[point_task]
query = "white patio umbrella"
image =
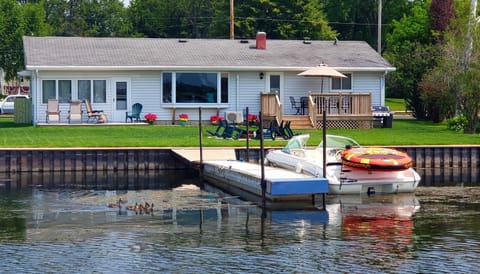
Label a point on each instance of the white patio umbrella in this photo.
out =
(322, 70)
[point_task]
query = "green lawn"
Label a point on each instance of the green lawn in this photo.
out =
(404, 132)
(395, 104)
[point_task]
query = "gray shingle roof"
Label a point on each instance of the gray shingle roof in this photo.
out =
(151, 53)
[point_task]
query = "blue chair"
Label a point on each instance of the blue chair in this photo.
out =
(135, 114)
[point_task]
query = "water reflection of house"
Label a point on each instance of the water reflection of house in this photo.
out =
(169, 76)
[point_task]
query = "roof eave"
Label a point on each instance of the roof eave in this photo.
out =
(198, 68)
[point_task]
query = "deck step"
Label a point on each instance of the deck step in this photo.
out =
(298, 121)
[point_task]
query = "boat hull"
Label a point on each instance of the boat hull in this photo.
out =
(347, 180)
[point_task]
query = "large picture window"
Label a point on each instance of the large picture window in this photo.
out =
(342, 83)
(194, 87)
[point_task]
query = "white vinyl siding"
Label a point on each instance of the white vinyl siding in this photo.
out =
(146, 89)
(364, 82)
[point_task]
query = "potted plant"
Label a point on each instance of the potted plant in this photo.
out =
(150, 117)
(252, 119)
(183, 119)
(215, 119)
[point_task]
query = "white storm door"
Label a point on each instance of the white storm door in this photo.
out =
(121, 99)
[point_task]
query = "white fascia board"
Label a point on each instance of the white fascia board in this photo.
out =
(376, 69)
(173, 68)
(194, 68)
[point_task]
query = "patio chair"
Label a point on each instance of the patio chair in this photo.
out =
(75, 112)
(295, 105)
(288, 130)
(53, 111)
(280, 130)
(95, 116)
(269, 132)
(222, 125)
(135, 114)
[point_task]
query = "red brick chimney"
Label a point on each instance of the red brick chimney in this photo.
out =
(261, 40)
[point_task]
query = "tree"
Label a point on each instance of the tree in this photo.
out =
(453, 74)
(67, 16)
(107, 18)
(411, 51)
(11, 31)
(441, 11)
(358, 19)
(301, 19)
(35, 19)
(172, 18)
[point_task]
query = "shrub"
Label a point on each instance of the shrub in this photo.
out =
(457, 123)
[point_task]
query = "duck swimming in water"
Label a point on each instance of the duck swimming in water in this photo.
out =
(133, 207)
(117, 204)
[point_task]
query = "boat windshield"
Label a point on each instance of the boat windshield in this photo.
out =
(297, 142)
(334, 141)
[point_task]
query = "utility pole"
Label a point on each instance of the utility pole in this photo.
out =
(232, 21)
(379, 42)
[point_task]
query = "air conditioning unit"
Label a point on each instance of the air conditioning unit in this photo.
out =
(234, 117)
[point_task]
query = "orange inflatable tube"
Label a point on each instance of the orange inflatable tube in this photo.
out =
(376, 158)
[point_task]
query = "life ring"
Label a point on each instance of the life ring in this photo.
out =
(376, 158)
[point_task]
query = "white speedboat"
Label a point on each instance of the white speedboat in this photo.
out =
(350, 168)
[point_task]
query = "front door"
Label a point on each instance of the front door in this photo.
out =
(121, 100)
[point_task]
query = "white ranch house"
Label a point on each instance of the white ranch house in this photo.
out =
(173, 76)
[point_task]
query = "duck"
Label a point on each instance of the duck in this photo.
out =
(133, 207)
(116, 205)
(149, 209)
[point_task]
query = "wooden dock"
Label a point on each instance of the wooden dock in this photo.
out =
(220, 168)
(281, 185)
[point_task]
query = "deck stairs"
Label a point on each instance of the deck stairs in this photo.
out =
(298, 121)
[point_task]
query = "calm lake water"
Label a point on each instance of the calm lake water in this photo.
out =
(52, 227)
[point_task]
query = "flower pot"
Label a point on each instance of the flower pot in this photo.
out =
(183, 123)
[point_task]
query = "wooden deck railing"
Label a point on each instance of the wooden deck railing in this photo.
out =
(341, 104)
(343, 110)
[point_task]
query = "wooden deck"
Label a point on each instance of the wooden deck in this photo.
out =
(343, 110)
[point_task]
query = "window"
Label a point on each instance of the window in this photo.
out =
(64, 91)
(224, 87)
(48, 90)
(99, 90)
(57, 89)
(194, 87)
(275, 83)
(84, 90)
(167, 87)
(342, 83)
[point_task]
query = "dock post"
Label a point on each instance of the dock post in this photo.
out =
(262, 162)
(247, 157)
(324, 121)
(200, 136)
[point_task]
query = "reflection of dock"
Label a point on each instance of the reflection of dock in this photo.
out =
(245, 179)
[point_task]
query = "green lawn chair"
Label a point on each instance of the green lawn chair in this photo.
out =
(135, 114)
